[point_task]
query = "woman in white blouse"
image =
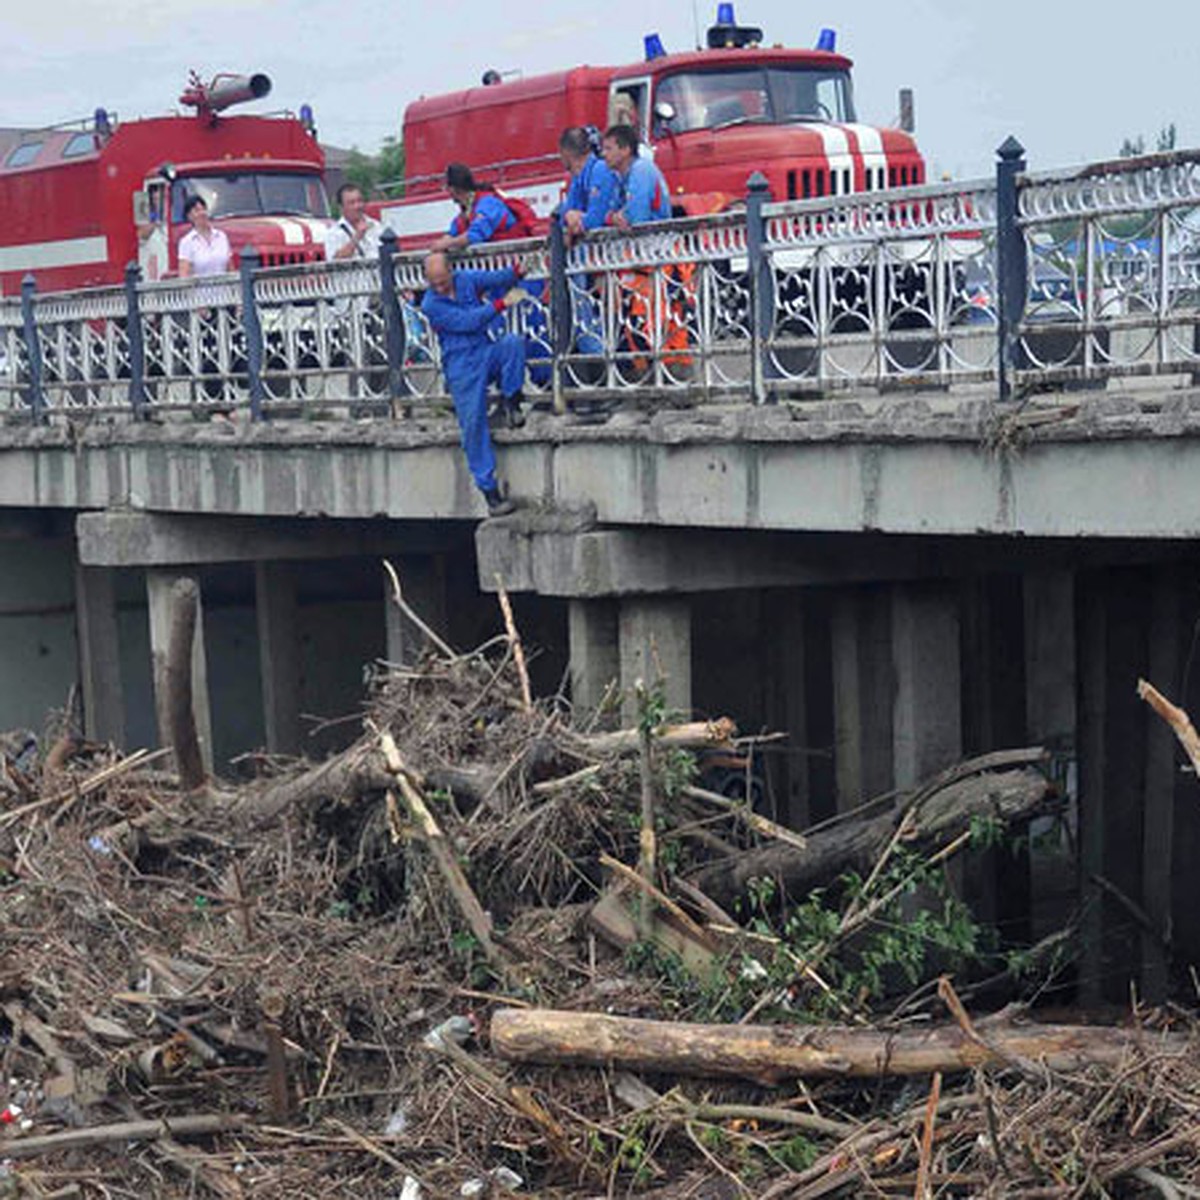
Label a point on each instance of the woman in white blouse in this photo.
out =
(204, 249)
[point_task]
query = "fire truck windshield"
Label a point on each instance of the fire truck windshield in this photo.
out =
(253, 194)
(769, 95)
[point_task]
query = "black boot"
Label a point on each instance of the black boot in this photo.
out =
(512, 410)
(498, 505)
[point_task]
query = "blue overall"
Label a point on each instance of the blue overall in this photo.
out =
(643, 194)
(593, 192)
(471, 360)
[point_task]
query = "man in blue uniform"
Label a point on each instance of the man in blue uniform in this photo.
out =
(483, 216)
(642, 194)
(593, 187)
(461, 306)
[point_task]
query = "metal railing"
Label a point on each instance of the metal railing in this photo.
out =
(1079, 275)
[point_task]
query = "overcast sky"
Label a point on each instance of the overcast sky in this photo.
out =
(1070, 80)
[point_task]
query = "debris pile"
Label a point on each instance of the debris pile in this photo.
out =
(487, 951)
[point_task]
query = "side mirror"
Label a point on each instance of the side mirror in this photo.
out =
(664, 110)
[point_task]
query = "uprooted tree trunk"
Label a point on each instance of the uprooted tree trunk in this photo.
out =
(770, 1053)
(1005, 786)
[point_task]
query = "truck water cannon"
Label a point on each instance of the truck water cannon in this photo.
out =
(727, 34)
(223, 91)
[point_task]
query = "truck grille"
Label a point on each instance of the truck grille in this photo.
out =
(291, 257)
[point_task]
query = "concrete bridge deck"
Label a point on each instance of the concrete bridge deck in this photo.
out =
(1101, 464)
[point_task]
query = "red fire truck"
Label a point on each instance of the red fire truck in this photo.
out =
(80, 201)
(711, 117)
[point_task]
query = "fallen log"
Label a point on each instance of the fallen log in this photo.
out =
(772, 1053)
(942, 810)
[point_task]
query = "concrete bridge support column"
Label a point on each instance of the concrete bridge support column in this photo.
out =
(864, 687)
(99, 654)
(423, 586)
(594, 643)
(997, 879)
(655, 635)
(1111, 607)
(784, 664)
(158, 597)
(278, 654)
(927, 715)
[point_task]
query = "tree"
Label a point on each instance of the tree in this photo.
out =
(378, 175)
(1136, 147)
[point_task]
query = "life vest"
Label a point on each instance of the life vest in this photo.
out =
(522, 225)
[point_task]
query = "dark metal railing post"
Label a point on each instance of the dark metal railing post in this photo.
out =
(560, 310)
(1012, 283)
(136, 341)
(247, 266)
(394, 332)
(762, 291)
(33, 349)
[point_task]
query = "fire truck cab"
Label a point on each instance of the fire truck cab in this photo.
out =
(710, 117)
(80, 201)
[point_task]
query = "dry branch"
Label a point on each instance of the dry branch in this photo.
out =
(443, 854)
(1176, 718)
(199, 1125)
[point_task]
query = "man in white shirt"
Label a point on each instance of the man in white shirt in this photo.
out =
(354, 234)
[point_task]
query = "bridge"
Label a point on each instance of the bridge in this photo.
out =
(907, 475)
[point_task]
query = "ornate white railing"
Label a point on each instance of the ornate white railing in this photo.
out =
(1100, 267)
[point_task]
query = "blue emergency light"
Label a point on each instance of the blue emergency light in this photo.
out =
(827, 41)
(654, 47)
(306, 117)
(725, 15)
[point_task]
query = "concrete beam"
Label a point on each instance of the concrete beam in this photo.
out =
(99, 654)
(592, 634)
(539, 553)
(279, 655)
(140, 539)
(655, 642)
(158, 597)
(864, 692)
(927, 715)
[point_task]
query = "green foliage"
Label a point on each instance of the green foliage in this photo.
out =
(677, 770)
(379, 175)
(915, 930)
(1136, 147)
(652, 707)
(798, 1153)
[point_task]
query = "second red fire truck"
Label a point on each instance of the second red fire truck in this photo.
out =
(711, 117)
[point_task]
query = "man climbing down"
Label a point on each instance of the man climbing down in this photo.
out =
(460, 307)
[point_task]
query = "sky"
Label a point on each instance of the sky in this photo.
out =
(1068, 80)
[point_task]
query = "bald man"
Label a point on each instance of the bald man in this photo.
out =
(461, 306)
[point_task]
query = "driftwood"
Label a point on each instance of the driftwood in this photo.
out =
(771, 1053)
(355, 771)
(123, 1131)
(180, 713)
(1176, 717)
(444, 856)
(943, 809)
